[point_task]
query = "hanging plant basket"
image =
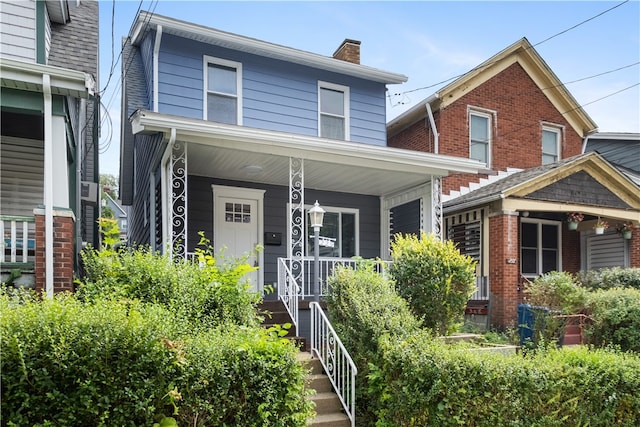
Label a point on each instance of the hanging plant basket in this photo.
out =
(572, 225)
(626, 235)
(599, 230)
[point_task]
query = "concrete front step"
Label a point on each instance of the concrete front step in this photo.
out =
(328, 407)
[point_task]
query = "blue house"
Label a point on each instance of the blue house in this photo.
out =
(238, 137)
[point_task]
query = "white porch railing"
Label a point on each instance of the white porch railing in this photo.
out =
(18, 239)
(482, 288)
(326, 266)
(288, 290)
(337, 364)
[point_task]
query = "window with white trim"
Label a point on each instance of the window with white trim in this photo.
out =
(222, 91)
(339, 235)
(550, 145)
(480, 137)
(539, 247)
(333, 111)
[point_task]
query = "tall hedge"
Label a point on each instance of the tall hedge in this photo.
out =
(607, 278)
(111, 363)
(615, 315)
(434, 277)
(364, 306)
(425, 383)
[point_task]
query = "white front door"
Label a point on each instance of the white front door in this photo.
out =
(237, 226)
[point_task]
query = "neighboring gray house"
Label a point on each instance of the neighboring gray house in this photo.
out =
(238, 137)
(49, 162)
(620, 149)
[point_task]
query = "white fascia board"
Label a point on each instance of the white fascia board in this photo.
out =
(306, 147)
(63, 80)
(259, 47)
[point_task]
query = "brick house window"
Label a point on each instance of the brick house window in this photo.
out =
(480, 137)
(222, 91)
(333, 111)
(550, 145)
(539, 247)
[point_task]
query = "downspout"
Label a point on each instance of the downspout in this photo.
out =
(156, 50)
(48, 184)
(166, 238)
(436, 136)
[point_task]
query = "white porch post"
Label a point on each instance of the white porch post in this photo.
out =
(436, 205)
(48, 184)
(295, 231)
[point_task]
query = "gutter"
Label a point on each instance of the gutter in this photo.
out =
(436, 134)
(156, 52)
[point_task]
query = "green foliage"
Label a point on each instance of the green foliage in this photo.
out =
(556, 291)
(434, 278)
(110, 233)
(426, 383)
(209, 292)
(607, 278)
(615, 315)
(124, 363)
(363, 306)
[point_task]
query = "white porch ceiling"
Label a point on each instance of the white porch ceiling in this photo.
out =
(237, 165)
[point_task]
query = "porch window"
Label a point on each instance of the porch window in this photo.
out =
(338, 235)
(550, 145)
(539, 247)
(333, 111)
(480, 137)
(222, 83)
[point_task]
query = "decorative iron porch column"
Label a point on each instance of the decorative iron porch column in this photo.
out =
(296, 221)
(177, 192)
(436, 205)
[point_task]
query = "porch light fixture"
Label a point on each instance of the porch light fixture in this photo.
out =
(316, 215)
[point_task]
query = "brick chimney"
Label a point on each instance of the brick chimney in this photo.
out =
(348, 51)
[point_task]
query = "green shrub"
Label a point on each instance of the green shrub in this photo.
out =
(363, 306)
(426, 383)
(556, 291)
(113, 363)
(66, 363)
(615, 315)
(209, 292)
(434, 278)
(607, 278)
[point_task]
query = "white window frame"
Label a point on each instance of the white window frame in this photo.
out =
(489, 116)
(558, 132)
(539, 248)
(347, 113)
(210, 60)
(333, 209)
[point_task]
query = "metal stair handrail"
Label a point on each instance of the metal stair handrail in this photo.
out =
(288, 290)
(335, 359)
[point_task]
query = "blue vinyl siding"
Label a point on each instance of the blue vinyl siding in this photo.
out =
(200, 205)
(146, 53)
(276, 95)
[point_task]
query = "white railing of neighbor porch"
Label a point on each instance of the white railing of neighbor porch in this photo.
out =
(18, 239)
(288, 290)
(337, 364)
(482, 288)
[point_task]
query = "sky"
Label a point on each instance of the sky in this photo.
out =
(593, 47)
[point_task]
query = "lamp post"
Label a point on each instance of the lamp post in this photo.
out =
(316, 214)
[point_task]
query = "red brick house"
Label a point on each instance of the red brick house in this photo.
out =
(513, 114)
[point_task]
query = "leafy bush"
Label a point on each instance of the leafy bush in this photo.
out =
(615, 317)
(209, 292)
(111, 363)
(434, 278)
(607, 278)
(363, 306)
(426, 383)
(556, 291)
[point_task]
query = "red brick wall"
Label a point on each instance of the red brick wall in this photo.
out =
(634, 249)
(62, 253)
(519, 107)
(503, 275)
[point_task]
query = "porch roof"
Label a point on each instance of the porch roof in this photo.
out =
(564, 186)
(23, 75)
(255, 155)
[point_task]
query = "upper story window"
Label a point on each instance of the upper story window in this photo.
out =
(480, 137)
(333, 111)
(550, 145)
(223, 91)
